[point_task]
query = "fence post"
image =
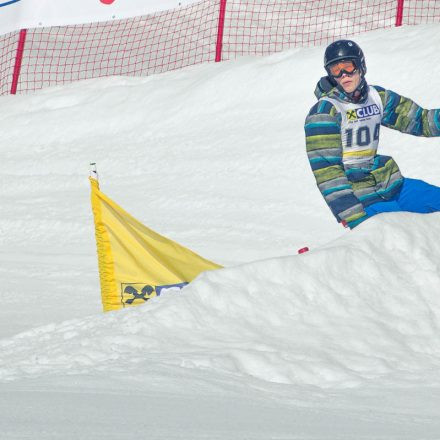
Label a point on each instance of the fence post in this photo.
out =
(221, 25)
(399, 13)
(18, 60)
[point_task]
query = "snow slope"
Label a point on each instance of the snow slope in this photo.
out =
(340, 342)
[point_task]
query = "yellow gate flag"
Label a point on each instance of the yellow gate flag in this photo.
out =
(135, 263)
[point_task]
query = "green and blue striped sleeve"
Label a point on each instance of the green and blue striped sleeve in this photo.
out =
(324, 151)
(405, 115)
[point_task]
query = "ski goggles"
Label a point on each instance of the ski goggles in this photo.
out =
(340, 67)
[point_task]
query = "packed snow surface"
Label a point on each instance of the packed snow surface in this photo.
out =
(341, 342)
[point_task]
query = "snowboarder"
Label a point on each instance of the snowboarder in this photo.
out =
(342, 137)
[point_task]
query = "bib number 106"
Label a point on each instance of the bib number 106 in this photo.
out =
(363, 135)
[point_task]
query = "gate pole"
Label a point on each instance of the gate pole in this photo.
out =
(18, 60)
(399, 13)
(221, 25)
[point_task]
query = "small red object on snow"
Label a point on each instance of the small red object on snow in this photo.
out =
(107, 2)
(344, 223)
(303, 250)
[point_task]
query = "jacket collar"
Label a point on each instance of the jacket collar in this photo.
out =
(327, 87)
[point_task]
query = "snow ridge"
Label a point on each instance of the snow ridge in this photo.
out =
(363, 308)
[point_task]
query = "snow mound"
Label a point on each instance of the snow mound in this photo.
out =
(364, 307)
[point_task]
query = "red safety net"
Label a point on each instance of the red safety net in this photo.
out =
(136, 46)
(268, 26)
(421, 11)
(181, 37)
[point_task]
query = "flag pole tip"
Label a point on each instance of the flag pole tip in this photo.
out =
(93, 171)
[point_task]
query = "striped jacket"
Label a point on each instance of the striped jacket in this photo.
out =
(348, 172)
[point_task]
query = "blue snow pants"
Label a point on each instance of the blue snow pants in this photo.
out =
(415, 196)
